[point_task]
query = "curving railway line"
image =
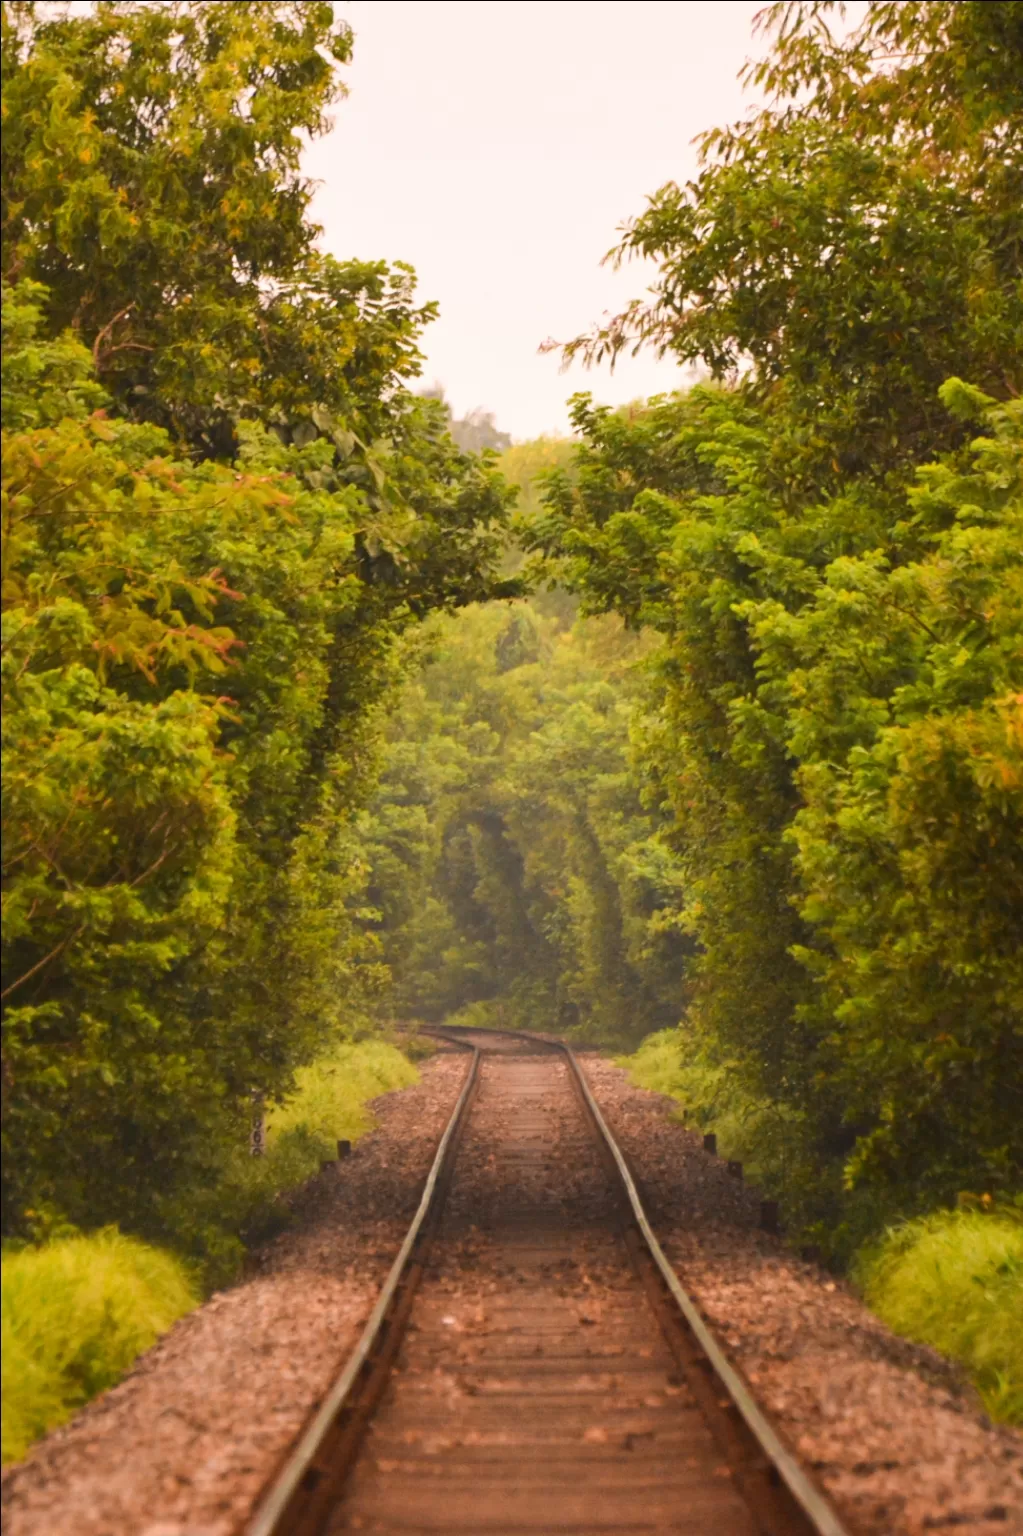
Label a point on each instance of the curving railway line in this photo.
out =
(533, 1364)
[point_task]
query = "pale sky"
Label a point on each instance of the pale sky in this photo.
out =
(496, 145)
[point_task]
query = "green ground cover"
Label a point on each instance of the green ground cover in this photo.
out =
(331, 1095)
(244, 1205)
(77, 1311)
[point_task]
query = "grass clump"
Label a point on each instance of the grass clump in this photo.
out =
(75, 1315)
(950, 1279)
(954, 1280)
(78, 1310)
(330, 1096)
(658, 1064)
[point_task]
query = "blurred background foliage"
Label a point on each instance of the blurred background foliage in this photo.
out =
(517, 874)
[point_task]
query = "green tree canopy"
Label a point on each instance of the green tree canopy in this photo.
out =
(851, 246)
(829, 541)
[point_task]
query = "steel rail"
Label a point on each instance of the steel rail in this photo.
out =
(810, 1501)
(269, 1513)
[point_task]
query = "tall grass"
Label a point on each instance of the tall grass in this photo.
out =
(75, 1314)
(330, 1096)
(954, 1280)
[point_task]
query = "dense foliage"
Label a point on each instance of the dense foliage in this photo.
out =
(223, 507)
(771, 782)
(831, 543)
(516, 874)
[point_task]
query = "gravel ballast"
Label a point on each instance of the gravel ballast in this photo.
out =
(890, 1429)
(185, 1443)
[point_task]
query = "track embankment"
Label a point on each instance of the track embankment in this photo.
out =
(534, 1391)
(538, 1383)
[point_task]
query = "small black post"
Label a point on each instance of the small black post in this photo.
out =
(344, 1148)
(710, 1143)
(769, 1216)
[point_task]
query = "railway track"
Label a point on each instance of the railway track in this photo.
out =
(533, 1364)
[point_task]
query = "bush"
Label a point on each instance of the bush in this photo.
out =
(485, 1013)
(415, 1045)
(954, 1280)
(764, 1136)
(75, 1314)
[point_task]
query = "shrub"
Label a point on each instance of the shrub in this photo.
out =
(485, 1013)
(75, 1314)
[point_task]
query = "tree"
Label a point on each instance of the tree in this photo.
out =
(834, 566)
(850, 247)
(475, 432)
(224, 508)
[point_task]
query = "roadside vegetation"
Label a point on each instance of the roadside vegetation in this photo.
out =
(79, 1308)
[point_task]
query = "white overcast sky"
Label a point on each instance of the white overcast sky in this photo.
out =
(496, 145)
